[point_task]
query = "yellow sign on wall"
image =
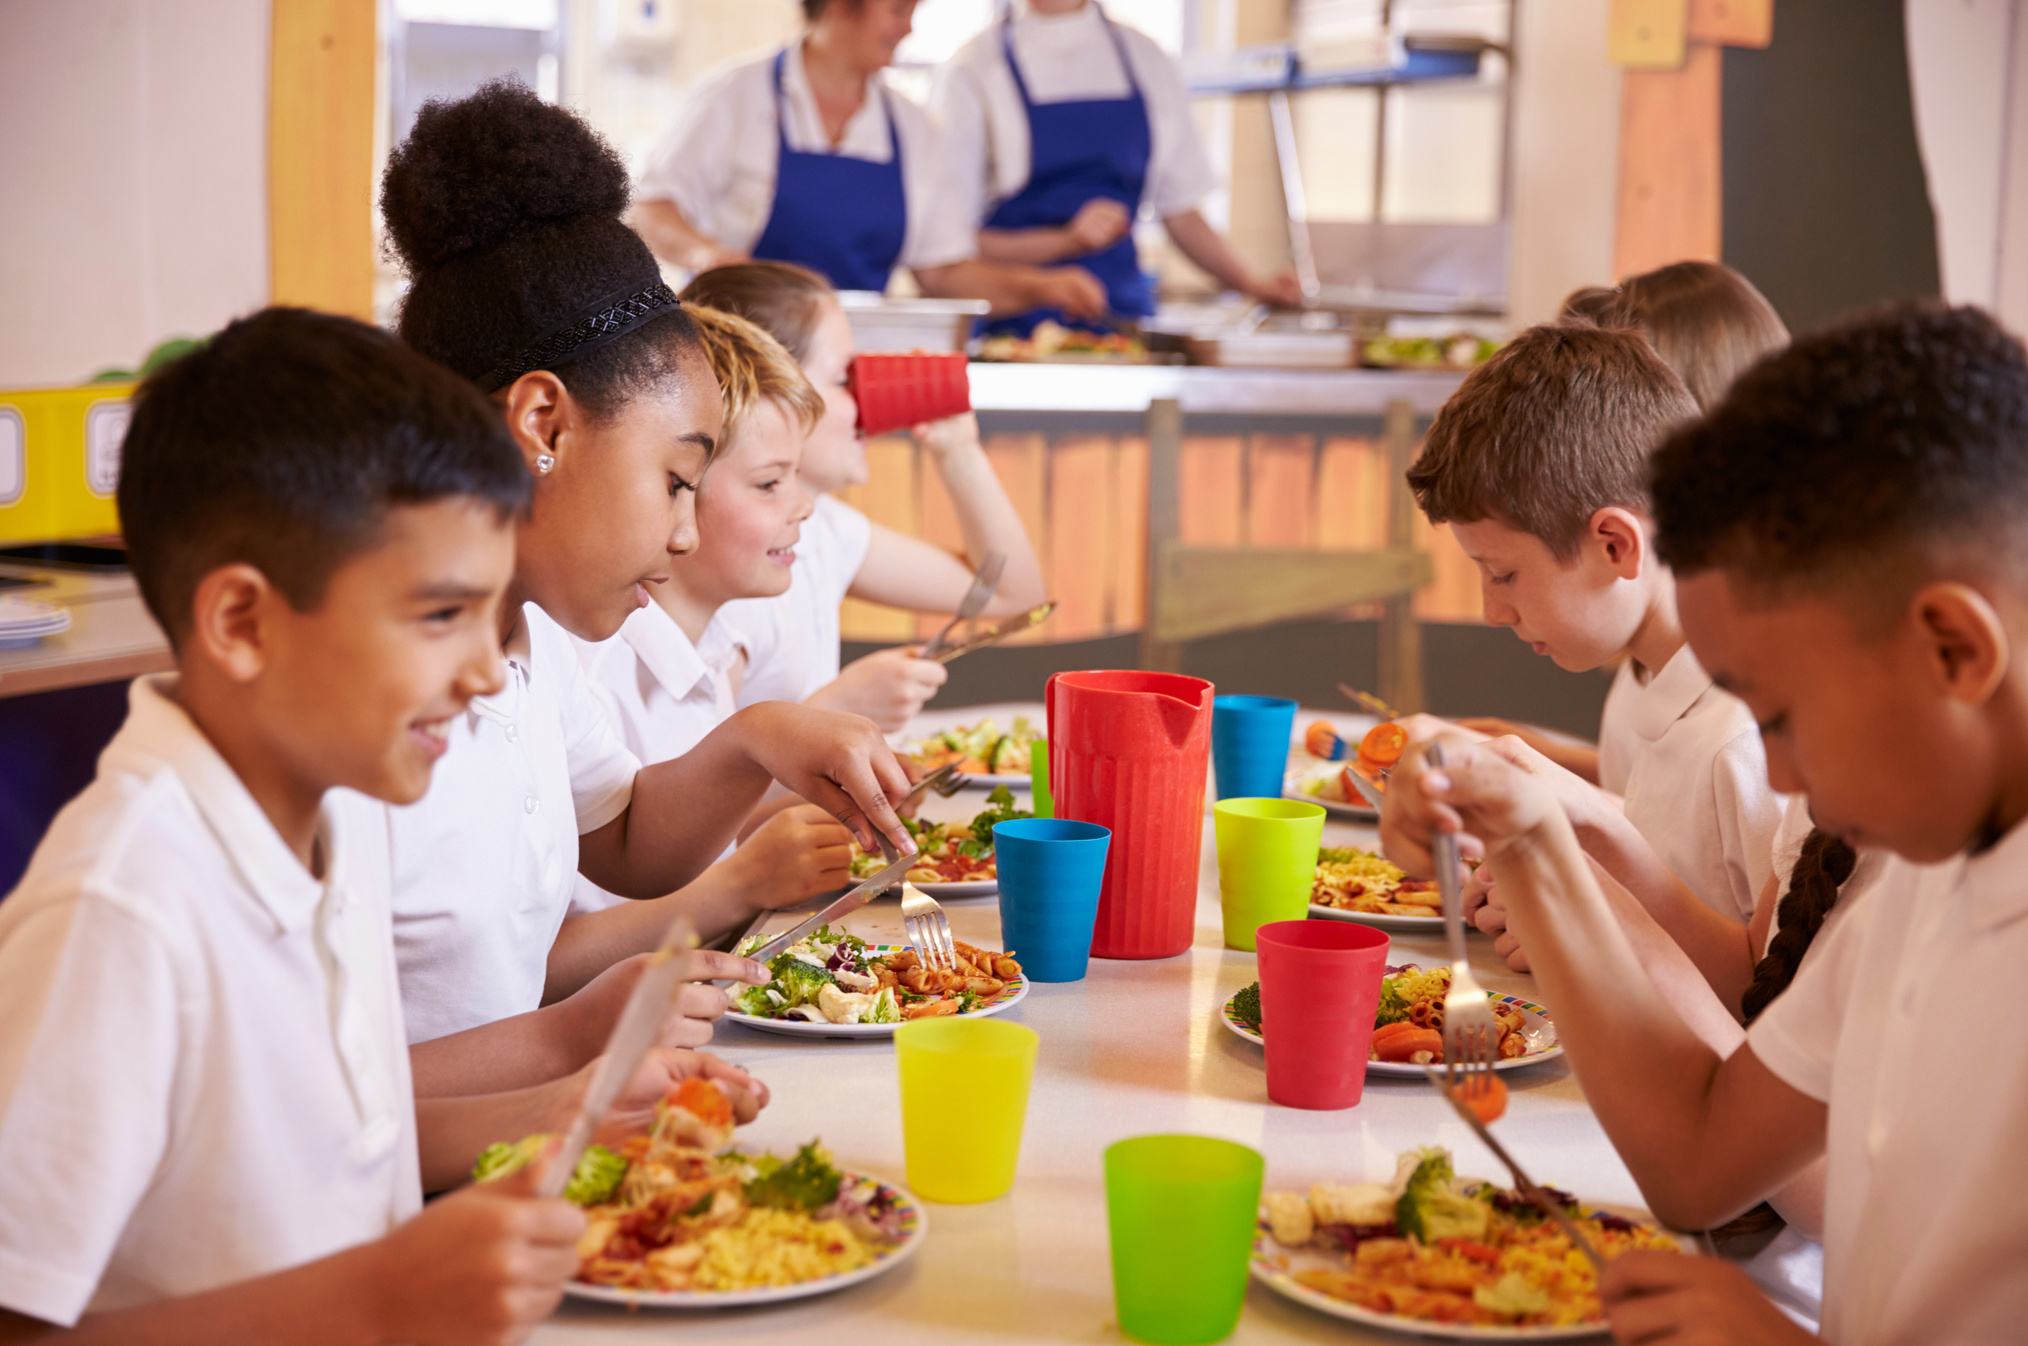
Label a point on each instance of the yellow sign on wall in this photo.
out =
(60, 461)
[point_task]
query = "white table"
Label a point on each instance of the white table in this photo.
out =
(1136, 1048)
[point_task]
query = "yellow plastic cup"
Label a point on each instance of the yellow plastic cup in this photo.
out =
(964, 1097)
(1267, 863)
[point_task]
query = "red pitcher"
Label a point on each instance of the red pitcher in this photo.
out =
(1127, 750)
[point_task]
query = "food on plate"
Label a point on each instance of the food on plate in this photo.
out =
(1350, 879)
(595, 1179)
(980, 749)
(835, 978)
(1408, 1025)
(1321, 741)
(950, 852)
(1453, 352)
(685, 1212)
(1053, 338)
(1434, 1247)
(1382, 747)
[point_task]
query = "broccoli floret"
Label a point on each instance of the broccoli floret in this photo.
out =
(1246, 1005)
(1431, 1209)
(798, 982)
(1393, 1006)
(753, 1000)
(803, 1183)
(883, 1010)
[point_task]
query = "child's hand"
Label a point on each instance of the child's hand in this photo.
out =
(481, 1267)
(887, 686)
(1584, 803)
(1691, 1301)
(838, 762)
(633, 1112)
(692, 1010)
(951, 434)
(1476, 793)
(1491, 919)
(792, 857)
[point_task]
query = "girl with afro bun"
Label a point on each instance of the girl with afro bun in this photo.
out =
(505, 212)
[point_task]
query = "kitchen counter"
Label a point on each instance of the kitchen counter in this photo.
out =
(111, 637)
(1136, 1048)
(1359, 393)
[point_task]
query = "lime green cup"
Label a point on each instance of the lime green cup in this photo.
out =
(1182, 1212)
(1038, 775)
(964, 1096)
(1267, 863)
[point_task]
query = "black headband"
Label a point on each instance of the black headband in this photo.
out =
(609, 319)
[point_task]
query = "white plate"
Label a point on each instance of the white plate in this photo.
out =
(803, 1028)
(1012, 782)
(970, 888)
(1268, 1268)
(915, 1226)
(1380, 920)
(1537, 1030)
(1305, 769)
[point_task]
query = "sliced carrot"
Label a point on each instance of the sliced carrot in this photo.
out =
(1486, 1096)
(1404, 1045)
(1386, 1031)
(1384, 743)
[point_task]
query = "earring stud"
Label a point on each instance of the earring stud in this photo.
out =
(543, 462)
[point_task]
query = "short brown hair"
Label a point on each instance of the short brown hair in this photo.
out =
(1706, 320)
(1556, 426)
(751, 367)
(786, 299)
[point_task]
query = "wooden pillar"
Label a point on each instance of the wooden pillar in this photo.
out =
(320, 155)
(1401, 684)
(1165, 452)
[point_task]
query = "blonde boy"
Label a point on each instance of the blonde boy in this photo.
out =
(1539, 464)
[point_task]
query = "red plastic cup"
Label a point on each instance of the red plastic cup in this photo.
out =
(1319, 989)
(897, 390)
(1128, 750)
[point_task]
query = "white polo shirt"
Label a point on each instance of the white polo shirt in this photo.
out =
(1905, 1023)
(486, 862)
(203, 1075)
(717, 160)
(663, 693)
(1694, 779)
(793, 638)
(1064, 58)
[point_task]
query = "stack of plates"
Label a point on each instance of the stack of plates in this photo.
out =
(24, 619)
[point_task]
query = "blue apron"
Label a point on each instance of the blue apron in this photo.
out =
(842, 217)
(1079, 150)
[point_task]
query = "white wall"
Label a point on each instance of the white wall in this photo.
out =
(133, 178)
(1566, 155)
(1968, 66)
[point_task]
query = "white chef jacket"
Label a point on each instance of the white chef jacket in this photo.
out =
(793, 638)
(717, 160)
(1695, 781)
(486, 862)
(662, 693)
(1064, 58)
(1904, 1022)
(203, 1076)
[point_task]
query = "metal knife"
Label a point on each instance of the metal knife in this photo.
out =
(1014, 625)
(853, 900)
(633, 1034)
(981, 593)
(1368, 791)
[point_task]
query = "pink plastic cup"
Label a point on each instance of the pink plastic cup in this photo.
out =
(897, 390)
(1319, 988)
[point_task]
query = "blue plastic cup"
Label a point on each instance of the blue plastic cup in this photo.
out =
(1051, 870)
(1250, 744)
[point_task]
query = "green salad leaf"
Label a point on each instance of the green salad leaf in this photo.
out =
(806, 1182)
(595, 1179)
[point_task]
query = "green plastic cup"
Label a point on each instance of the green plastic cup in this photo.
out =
(1267, 863)
(1038, 770)
(1182, 1211)
(964, 1097)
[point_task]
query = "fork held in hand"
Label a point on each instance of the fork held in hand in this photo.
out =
(1471, 1034)
(927, 928)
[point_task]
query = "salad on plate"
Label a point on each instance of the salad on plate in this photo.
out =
(831, 977)
(950, 852)
(981, 749)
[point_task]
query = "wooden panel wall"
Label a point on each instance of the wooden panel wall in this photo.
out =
(320, 155)
(1082, 497)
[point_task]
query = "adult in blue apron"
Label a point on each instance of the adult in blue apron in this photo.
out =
(1079, 150)
(843, 217)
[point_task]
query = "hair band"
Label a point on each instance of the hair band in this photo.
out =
(602, 323)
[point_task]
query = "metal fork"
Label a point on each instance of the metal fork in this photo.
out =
(927, 929)
(1471, 1034)
(945, 780)
(975, 600)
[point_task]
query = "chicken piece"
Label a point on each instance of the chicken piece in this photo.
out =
(1289, 1218)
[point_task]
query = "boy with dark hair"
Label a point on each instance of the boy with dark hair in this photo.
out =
(1847, 532)
(1539, 463)
(207, 1129)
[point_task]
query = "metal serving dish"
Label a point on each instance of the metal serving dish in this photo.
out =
(883, 324)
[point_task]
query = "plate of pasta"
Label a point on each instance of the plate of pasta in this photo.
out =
(679, 1219)
(1356, 885)
(1408, 1029)
(832, 984)
(1437, 1255)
